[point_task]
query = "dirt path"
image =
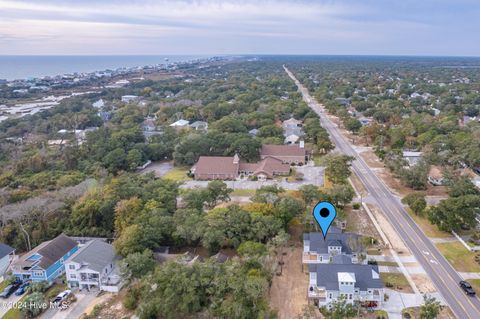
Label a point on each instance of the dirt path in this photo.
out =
(288, 293)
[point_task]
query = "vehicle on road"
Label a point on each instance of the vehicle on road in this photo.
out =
(61, 296)
(467, 288)
(10, 289)
(22, 289)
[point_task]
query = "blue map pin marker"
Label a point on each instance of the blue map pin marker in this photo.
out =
(324, 213)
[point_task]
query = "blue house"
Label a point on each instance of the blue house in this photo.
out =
(46, 261)
(6, 257)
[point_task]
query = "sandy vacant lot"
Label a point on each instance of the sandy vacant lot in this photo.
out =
(288, 293)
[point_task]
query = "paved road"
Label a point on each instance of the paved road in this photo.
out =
(437, 267)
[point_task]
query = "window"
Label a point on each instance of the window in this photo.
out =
(350, 296)
(71, 266)
(38, 273)
(73, 276)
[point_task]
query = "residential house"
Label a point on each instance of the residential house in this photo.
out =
(129, 98)
(289, 154)
(148, 125)
(7, 254)
(180, 124)
(94, 266)
(291, 123)
(199, 126)
(46, 261)
(320, 250)
(342, 101)
(351, 282)
(253, 132)
(412, 158)
(435, 176)
(265, 168)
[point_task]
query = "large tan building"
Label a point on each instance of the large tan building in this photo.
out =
(289, 154)
(229, 168)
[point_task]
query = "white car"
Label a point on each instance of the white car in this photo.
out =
(61, 296)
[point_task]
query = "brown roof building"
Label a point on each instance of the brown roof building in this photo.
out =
(229, 168)
(216, 167)
(290, 154)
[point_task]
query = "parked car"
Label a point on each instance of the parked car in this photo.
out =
(467, 288)
(61, 296)
(22, 289)
(10, 289)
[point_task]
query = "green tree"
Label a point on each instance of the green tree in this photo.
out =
(341, 195)
(131, 240)
(115, 160)
(338, 167)
(430, 308)
(137, 265)
(34, 305)
(455, 212)
(416, 202)
(217, 192)
(340, 310)
(251, 249)
(462, 186)
(310, 193)
(353, 125)
(134, 159)
(126, 212)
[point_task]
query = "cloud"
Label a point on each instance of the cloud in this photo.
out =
(214, 26)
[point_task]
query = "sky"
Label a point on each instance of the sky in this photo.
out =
(214, 27)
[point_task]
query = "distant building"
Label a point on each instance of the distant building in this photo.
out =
(94, 266)
(253, 132)
(46, 261)
(199, 126)
(148, 125)
(180, 124)
(98, 104)
(412, 158)
(129, 98)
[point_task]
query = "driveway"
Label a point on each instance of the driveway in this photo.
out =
(311, 175)
(74, 311)
(6, 304)
(158, 168)
(397, 301)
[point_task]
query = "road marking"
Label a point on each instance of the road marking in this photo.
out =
(392, 217)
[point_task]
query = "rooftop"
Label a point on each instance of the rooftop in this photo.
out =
(96, 255)
(328, 275)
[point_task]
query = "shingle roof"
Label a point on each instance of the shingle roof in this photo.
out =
(5, 250)
(282, 150)
(51, 251)
(334, 238)
(96, 255)
(216, 165)
(327, 275)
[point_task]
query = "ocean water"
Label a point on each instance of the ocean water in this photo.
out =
(30, 66)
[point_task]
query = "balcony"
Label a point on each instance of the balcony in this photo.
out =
(317, 293)
(88, 277)
(309, 258)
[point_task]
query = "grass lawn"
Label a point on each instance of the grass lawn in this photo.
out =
(243, 192)
(397, 281)
(460, 258)
(475, 284)
(3, 284)
(374, 252)
(13, 313)
(428, 228)
(178, 174)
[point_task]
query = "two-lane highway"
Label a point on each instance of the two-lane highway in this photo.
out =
(442, 274)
